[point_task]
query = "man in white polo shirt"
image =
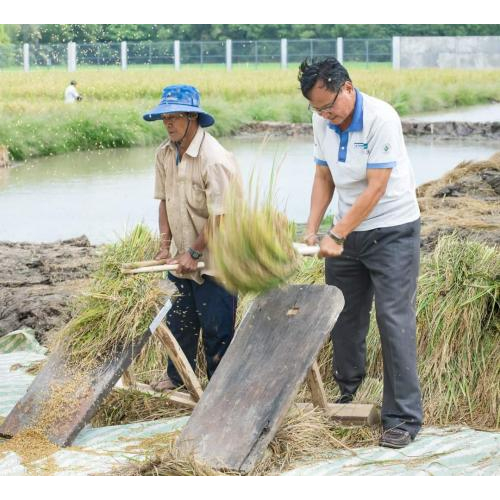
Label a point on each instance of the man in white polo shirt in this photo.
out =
(372, 249)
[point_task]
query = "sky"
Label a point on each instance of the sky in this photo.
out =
(254, 11)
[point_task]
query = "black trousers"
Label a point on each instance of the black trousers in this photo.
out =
(381, 263)
(208, 307)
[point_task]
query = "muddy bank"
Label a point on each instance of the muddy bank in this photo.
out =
(452, 130)
(465, 200)
(442, 130)
(37, 282)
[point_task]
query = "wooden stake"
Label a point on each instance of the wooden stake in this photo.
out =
(180, 361)
(315, 383)
(178, 397)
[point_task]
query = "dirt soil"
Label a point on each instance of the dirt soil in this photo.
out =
(411, 128)
(37, 282)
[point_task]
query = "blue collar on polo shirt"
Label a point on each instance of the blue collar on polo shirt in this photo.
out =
(355, 126)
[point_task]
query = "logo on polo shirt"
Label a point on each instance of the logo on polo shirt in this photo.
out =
(387, 147)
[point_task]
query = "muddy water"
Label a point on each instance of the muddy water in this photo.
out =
(482, 113)
(100, 194)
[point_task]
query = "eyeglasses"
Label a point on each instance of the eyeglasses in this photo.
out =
(328, 107)
(172, 117)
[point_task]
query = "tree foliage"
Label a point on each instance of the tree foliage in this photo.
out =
(85, 33)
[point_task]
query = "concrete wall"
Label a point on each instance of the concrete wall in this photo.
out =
(478, 52)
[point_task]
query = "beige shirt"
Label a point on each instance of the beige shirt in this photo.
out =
(193, 190)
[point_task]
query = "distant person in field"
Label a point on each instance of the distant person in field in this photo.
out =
(372, 248)
(71, 95)
(193, 174)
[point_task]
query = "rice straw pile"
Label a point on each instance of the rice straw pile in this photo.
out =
(458, 315)
(252, 248)
(115, 312)
(118, 308)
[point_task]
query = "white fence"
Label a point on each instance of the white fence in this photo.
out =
(400, 52)
(176, 53)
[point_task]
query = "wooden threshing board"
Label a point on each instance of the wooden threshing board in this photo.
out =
(258, 378)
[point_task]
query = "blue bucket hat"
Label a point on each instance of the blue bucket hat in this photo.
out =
(180, 99)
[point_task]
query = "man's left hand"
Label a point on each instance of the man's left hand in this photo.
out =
(186, 263)
(328, 248)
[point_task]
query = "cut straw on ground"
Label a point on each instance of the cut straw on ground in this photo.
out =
(305, 436)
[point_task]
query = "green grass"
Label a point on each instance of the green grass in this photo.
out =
(35, 121)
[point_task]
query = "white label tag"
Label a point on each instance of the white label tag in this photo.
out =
(159, 317)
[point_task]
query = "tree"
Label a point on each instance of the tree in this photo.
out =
(4, 36)
(88, 33)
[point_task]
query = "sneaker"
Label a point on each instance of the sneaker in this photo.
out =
(395, 438)
(164, 385)
(344, 399)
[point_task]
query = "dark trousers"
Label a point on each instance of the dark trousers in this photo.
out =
(383, 263)
(208, 307)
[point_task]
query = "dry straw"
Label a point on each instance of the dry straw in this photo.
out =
(306, 435)
(117, 308)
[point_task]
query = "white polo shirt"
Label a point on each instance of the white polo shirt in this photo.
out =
(374, 139)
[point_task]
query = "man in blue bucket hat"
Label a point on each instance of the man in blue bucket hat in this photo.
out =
(193, 173)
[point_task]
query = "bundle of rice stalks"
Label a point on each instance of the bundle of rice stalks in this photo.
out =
(458, 316)
(458, 327)
(252, 247)
(117, 308)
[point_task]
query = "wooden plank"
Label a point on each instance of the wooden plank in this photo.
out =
(260, 375)
(351, 413)
(76, 399)
(180, 361)
(181, 398)
(79, 401)
(315, 383)
(178, 397)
